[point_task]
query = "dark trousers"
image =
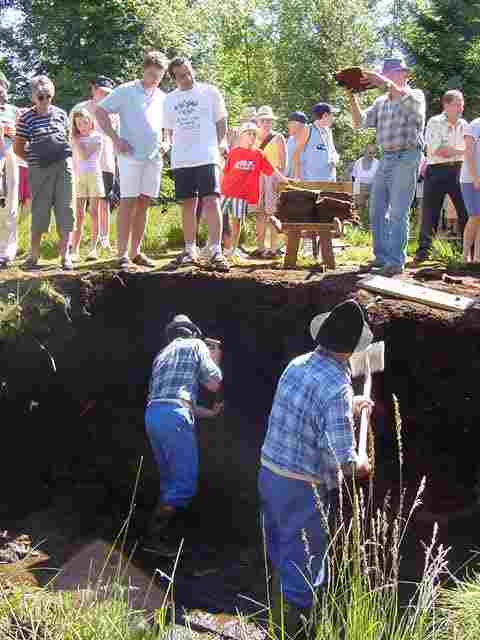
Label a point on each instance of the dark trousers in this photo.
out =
(440, 180)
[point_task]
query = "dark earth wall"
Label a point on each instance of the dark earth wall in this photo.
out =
(88, 425)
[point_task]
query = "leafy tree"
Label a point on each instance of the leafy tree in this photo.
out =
(443, 39)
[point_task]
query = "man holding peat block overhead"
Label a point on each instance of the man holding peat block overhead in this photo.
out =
(399, 119)
(310, 441)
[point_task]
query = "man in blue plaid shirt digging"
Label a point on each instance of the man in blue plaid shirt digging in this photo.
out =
(309, 442)
(179, 369)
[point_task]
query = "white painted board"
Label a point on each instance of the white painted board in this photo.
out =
(416, 293)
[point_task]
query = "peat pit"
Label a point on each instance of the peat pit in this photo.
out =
(72, 439)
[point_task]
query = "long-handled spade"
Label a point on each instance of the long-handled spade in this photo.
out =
(364, 364)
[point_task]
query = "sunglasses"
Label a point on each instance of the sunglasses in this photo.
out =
(44, 96)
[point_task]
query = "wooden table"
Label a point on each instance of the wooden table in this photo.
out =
(324, 231)
(294, 231)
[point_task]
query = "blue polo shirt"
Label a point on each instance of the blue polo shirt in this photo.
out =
(315, 158)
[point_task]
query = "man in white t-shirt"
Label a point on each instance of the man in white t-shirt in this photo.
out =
(196, 117)
(100, 88)
(363, 173)
(140, 148)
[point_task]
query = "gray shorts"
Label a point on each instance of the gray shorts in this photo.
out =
(52, 188)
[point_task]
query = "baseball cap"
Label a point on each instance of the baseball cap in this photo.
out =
(102, 82)
(297, 116)
(323, 107)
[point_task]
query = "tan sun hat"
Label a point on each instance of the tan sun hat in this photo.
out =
(247, 114)
(266, 112)
(247, 126)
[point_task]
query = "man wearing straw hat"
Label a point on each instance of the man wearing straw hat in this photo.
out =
(399, 119)
(310, 441)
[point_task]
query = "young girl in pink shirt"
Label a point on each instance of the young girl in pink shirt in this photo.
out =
(87, 148)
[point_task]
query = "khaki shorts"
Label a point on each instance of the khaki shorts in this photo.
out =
(89, 185)
(52, 188)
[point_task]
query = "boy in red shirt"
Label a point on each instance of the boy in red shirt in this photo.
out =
(241, 180)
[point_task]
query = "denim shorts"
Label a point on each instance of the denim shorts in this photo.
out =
(471, 198)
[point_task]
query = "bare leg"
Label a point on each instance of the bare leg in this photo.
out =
(236, 231)
(139, 222)
(469, 239)
(260, 229)
(124, 224)
(94, 213)
(476, 253)
(64, 242)
(213, 216)
(35, 249)
(104, 220)
(80, 204)
(189, 220)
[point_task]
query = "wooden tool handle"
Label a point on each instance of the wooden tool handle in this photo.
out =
(365, 419)
(363, 437)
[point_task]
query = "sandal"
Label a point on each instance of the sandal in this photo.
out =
(30, 264)
(142, 261)
(185, 260)
(259, 253)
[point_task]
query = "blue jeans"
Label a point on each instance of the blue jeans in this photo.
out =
(288, 509)
(170, 429)
(391, 197)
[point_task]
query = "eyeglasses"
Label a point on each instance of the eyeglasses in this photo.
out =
(44, 96)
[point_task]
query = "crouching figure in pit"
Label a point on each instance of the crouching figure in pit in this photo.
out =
(179, 369)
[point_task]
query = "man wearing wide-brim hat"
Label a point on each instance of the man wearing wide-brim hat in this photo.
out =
(310, 440)
(399, 119)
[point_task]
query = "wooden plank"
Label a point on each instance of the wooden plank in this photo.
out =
(416, 293)
(293, 242)
(315, 227)
(317, 185)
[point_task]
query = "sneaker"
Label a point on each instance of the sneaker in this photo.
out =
(239, 254)
(391, 270)
(75, 256)
(141, 260)
(205, 252)
(219, 263)
(186, 259)
(92, 255)
(5, 263)
(124, 262)
(67, 264)
(30, 264)
(105, 243)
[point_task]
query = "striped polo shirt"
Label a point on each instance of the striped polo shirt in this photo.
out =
(34, 127)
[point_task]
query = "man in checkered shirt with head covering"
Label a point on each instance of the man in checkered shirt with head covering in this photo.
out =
(309, 442)
(399, 119)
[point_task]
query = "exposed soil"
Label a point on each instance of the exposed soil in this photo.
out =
(75, 450)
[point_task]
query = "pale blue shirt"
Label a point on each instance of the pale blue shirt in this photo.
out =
(318, 159)
(141, 118)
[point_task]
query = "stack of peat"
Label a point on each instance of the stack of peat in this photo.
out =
(307, 206)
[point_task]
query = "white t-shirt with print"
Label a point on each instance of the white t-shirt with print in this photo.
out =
(473, 130)
(192, 116)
